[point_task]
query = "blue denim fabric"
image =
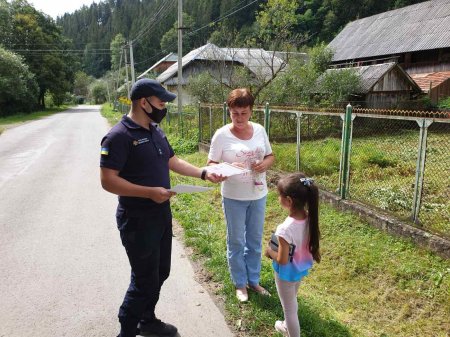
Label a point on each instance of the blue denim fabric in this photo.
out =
(245, 221)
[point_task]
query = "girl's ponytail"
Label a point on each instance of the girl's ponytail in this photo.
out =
(313, 218)
(304, 192)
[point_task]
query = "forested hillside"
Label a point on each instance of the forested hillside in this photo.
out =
(59, 61)
(150, 24)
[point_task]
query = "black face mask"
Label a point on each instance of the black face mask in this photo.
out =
(156, 115)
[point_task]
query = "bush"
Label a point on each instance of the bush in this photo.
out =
(183, 145)
(444, 104)
(18, 87)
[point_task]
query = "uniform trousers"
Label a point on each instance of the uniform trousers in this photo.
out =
(147, 238)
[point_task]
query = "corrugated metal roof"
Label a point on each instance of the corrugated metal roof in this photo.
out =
(172, 57)
(417, 27)
(258, 61)
(207, 52)
(369, 75)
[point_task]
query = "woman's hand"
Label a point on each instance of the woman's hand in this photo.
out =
(260, 166)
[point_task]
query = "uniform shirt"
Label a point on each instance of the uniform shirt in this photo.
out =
(226, 147)
(141, 156)
(294, 232)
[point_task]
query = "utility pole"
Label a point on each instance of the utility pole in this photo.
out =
(126, 72)
(133, 79)
(180, 67)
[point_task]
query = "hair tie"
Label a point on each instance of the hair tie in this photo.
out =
(306, 181)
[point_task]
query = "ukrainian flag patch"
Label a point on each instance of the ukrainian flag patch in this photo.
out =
(104, 151)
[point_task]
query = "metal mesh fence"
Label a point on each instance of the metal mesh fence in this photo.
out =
(435, 205)
(383, 163)
(211, 119)
(399, 160)
(309, 143)
(387, 147)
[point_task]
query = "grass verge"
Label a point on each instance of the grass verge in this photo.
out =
(368, 284)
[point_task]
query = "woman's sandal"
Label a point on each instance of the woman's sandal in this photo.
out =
(260, 290)
(241, 294)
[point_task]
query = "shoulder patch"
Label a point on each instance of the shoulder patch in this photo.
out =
(104, 151)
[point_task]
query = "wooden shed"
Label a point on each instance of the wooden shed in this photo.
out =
(383, 85)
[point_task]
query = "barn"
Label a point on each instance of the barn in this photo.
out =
(416, 37)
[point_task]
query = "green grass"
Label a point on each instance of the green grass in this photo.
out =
(368, 284)
(10, 121)
(111, 116)
(382, 173)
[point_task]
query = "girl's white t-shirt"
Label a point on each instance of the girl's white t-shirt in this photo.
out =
(295, 232)
(226, 147)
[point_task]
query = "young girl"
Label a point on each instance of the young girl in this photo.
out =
(298, 245)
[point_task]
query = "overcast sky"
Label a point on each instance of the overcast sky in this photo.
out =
(59, 7)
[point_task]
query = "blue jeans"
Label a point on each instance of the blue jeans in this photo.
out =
(245, 221)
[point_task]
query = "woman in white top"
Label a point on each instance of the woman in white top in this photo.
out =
(243, 143)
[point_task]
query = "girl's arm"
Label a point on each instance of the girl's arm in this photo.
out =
(282, 256)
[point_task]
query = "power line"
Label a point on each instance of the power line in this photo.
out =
(222, 17)
(201, 28)
(163, 10)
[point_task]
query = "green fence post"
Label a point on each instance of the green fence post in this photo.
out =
(420, 167)
(224, 114)
(267, 119)
(200, 126)
(299, 118)
(168, 115)
(182, 122)
(210, 123)
(344, 166)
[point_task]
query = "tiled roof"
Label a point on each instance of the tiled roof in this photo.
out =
(422, 26)
(434, 79)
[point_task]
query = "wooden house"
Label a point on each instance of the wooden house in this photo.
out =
(417, 37)
(221, 63)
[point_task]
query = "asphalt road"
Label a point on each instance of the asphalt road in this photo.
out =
(63, 270)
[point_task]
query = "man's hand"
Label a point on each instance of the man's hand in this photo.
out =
(160, 194)
(214, 177)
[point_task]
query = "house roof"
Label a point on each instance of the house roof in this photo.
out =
(172, 57)
(422, 26)
(424, 81)
(257, 60)
(371, 74)
(206, 52)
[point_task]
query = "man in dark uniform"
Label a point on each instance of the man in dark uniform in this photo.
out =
(135, 161)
